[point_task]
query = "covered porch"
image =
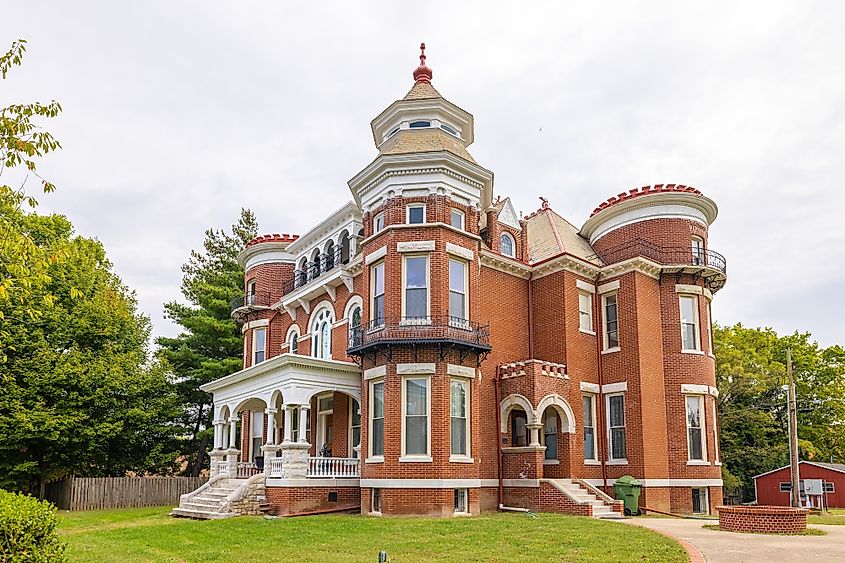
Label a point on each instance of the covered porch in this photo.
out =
(289, 418)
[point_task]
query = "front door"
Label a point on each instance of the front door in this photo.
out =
(326, 436)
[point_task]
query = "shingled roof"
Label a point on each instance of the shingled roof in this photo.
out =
(549, 234)
(422, 91)
(409, 141)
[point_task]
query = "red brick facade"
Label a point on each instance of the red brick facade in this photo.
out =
(521, 338)
(763, 519)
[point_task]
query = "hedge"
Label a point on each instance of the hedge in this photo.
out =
(28, 530)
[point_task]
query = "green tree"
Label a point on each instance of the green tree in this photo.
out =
(23, 263)
(750, 373)
(210, 345)
(78, 394)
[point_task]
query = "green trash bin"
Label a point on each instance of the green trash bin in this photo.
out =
(628, 491)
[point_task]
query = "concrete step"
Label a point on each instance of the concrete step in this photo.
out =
(211, 503)
(199, 514)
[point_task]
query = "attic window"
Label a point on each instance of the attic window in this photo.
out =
(507, 245)
(392, 132)
(449, 130)
(420, 124)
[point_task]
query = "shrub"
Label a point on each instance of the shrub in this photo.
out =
(28, 530)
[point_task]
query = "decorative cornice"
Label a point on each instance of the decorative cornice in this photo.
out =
(507, 265)
(636, 264)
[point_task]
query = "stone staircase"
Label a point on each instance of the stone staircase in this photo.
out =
(581, 495)
(213, 500)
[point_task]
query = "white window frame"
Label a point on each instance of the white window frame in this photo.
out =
(697, 250)
(610, 459)
(318, 340)
(378, 223)
(604, 321)
(427, 317)
(509, 236)
(589, 312)
(785, 487)
(702, 405)
(255, 349)
(696, 322)
(709, 329)
(457, 213)
(468, 443)
(408, 213)
(349, 433)
(253, 451)
(706, 500)
(452, 318)
(251, 286)
(543, 418)
(321, 420)
(374, 295)
(425, 457)
(461, 493)
(592, 398)
(375, 492)
(371, 458)
(293, 339)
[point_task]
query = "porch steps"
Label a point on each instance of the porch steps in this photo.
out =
(209, 503)
(576, 492)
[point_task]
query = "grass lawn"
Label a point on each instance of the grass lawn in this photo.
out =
(149, 534)
(835, 516)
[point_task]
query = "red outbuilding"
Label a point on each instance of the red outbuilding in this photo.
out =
(773, 488)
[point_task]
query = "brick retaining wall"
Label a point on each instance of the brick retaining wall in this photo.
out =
(763, 519)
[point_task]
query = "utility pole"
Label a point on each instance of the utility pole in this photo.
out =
(793, 432)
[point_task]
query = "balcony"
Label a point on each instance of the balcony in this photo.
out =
(250, 302)
(322, 275)
(445, 332)
(320, 265)
(708, 264)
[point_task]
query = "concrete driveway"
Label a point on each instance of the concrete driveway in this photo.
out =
(728, 547)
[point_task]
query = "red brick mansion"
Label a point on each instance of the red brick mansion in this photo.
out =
(425, 350)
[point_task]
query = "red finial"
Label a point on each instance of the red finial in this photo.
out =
(423, 73)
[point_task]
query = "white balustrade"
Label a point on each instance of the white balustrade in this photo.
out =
(222, 467)
(246, 470)
(275, 467)
(332, 467)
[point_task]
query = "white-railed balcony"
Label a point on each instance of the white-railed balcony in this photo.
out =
(321, 468)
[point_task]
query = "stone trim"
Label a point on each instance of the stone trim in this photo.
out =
(460, 371)
(459, 251)
(376, 255)
(615, 387)
(376, 372)
(585, 286)
(415, 246)
(418, 368)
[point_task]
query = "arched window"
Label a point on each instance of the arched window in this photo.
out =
(329, 257)
(507, 246)
(293, 342)
(321, 331)
(314, 266)
(301, 274)
(420, 124)
(355, 317)
(345, 247)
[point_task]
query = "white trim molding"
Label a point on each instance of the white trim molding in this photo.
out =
(374, 373)
(460, 371)
(695, 389)
(609, 286)
(590, 387)
(663, 482)
(585, 286)
(459, 251)
(376, 255)
(255, 324)
(620, 387)
(415, 368)
(694, 290)
(415, 246)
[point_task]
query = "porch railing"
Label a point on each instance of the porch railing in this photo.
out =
(222, 467)
(329, 467)
(246, 470)
(275, 467)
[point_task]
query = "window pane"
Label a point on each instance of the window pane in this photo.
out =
(415, 397)
(378, 309)
(519, 434)
(378, 400)
(457, 307)
(356, 413)
(551, 446)
(617, 410)
(611, 321)
(415, 214)
(416, 302)
(259, 335)
(589, 443)
(457, 404)
(687, 309)
(457, 219)
(688, 336)
(378, 279)
(617, 438)
(506, 245)
(695, 444)
(588, 410)
(457, 275)
(416, 435)
(693, 412)
(415, 271)
(378, 436)
(459, 436)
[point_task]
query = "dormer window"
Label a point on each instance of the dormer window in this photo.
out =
(420, 124)
(449, 130)
(507, 245)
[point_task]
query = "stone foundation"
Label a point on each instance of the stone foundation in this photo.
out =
(763, 519)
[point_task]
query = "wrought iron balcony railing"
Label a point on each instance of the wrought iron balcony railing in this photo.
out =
(323, 264)
(257, 299)
(666, 255)
(419, 330)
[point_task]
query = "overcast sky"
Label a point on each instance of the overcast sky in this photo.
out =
(177, 114)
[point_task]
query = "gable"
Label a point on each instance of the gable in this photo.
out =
(507, 216)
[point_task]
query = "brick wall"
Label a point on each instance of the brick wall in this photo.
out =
(295, 500)
(763, 519)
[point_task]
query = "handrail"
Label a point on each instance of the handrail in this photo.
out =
(314, 269)
(665, 255)
(275, 466)
(332, 467)
(257, 299)
(398, 330)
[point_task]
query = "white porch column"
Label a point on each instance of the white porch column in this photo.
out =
(233, 429)
(288, 424)
(271, 427)
(218, 434)
(304, 413)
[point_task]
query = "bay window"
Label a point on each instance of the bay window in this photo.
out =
(377, 419)
(416, 288)
(690, 337)
(696, 439)
(415, 416)
(457, 291)
(377, 282)
(459, 417)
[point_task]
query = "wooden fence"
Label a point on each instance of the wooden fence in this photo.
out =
(92, 493)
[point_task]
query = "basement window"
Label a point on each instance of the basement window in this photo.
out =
(699, 501)
(461, 503)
